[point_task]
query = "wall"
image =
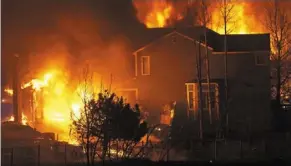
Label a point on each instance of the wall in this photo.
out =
(249, 89)
(172, 65)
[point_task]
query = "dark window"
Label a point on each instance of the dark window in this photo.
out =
(145, 65)
(213, 99)
(261, 59)
(190, 95)
(190, 99)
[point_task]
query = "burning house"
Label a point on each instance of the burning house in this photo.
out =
(165, 70)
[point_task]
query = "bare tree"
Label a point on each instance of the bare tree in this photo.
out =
(278, 25)
(227, 13)
(204, 19)
(84, 121)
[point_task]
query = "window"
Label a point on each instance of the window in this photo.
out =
(213, 97)
(193, 98)
(261, 60)
(145, 65)
(273, 73)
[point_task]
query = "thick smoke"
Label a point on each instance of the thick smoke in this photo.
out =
(68, 34)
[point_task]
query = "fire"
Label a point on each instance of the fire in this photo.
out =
(244, 19)
(159, 15)
(61, 99)
(9, 91)
(57, 96)
(37, 84)
(24, 120)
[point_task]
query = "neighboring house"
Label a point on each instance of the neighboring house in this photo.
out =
(165, 71)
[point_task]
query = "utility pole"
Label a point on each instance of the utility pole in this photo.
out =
(200, 100)
(16, 110)
(225, 119)
(205, 19)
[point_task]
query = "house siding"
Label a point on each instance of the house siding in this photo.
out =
(248, 89)
(171, 68)
(173, 63)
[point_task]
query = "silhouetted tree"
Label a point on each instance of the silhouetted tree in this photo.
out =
(121, 122)
(105, 119)
(227, 13)
(83, 122)
(279, 27)
(204, 19)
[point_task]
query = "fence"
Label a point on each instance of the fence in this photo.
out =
(213, 150)
(40, 155)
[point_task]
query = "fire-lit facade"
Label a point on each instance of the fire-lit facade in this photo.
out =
(165, 72)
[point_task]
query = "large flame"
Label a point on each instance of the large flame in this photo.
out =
(161, 13)
(242, 20)
(158, 13)
(60, 100)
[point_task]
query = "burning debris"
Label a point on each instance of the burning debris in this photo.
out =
(52, 101)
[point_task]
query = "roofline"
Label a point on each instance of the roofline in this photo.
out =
(142, 48)
(239, 52)
(166, 35)
(251, 34)
(187, 37)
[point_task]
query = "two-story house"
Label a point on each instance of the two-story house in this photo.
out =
(165, 71)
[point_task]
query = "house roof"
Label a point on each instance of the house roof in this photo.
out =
(11, 130)
(235, 43)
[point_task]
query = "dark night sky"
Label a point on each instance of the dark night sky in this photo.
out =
(27, 24)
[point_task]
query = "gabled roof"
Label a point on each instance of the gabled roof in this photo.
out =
(169, 34)
(235, 43)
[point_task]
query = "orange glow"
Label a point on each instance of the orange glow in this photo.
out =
(159, 16)
(242, 20)
(158, 13)
(24, 119)
(161, 13)
(8, 91)
(37, 84)
(60, 100)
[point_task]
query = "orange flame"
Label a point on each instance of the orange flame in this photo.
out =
(24, 120)
(60, 101)
(160, 13)
(8, 91)
(157, 14)
(242, 20)
(37, 84)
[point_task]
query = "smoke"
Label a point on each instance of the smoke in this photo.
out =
(68, 34)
